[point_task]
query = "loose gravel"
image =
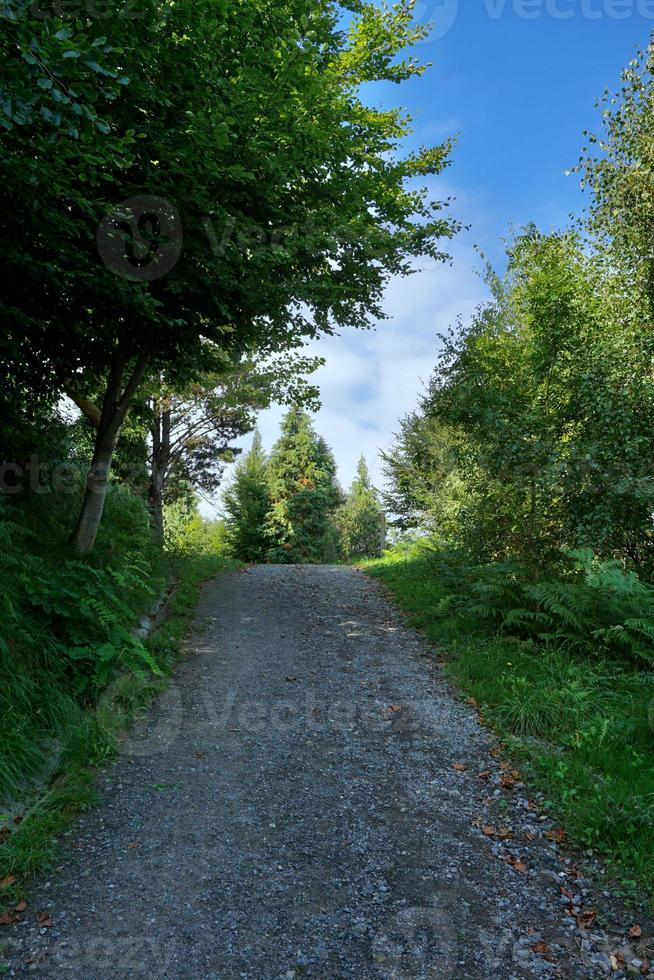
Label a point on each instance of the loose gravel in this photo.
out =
(311, 798)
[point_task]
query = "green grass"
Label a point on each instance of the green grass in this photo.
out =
(60, 717)
(582, 728)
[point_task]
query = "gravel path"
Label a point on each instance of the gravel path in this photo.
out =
(306, 800)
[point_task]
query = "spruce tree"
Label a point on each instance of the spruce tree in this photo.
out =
(247, 502)
(304, 494)
(361, 519)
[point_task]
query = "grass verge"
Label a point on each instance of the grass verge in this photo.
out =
(582, 729)
(28, 842)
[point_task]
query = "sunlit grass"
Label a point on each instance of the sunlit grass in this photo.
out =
(580, 727)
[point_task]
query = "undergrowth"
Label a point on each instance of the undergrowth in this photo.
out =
(73, 673)
(573, 703)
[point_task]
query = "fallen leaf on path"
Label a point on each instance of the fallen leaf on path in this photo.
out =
(636, 932)
(459, 767)
(134, 844)
(8, 881)
(44, 920)
(517, 865)
(586, 919)
(484, 775)
(541, 947)
(7, 918)
(21, 906)
(556, 835)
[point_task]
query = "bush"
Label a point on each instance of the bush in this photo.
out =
(594, 608)
(67, 624)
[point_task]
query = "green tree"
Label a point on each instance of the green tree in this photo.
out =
(304, 494)
(241, 123)
(618, 171)
(247, 503)
(535, 432)
(361, 520)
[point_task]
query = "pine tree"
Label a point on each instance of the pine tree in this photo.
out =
(304, 494)
(247, 503)
(361, 519)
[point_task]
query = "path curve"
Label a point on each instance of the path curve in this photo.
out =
(305, 800)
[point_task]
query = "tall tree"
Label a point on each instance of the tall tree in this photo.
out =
(361, 519)
(247, 503)
(193, 431)
(240, 124)
(618, 171)
(304, 494)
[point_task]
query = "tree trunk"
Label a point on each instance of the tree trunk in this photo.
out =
(115, 403)
(161, 422)
(97, 484)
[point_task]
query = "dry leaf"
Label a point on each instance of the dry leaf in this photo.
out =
(541, 947)
(44, 920)
(21, 906)
(586, 919)
(8, 881)
(133, 845)
(636, 932)
(556, 835)
(459, 767)
(489, 831)
(7, 918)
(473, 702)
(485, 774)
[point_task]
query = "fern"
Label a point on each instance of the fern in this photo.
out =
(595, 607)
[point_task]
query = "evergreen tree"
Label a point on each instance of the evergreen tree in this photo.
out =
(304, 494)
(247, 502)
(361, 519)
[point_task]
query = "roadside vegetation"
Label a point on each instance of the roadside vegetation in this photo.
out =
(577, 719)
(76, 663)
(522, 495)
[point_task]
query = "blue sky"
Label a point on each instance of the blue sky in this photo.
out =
(517, 80)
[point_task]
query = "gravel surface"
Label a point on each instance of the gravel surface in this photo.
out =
(311, 798)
